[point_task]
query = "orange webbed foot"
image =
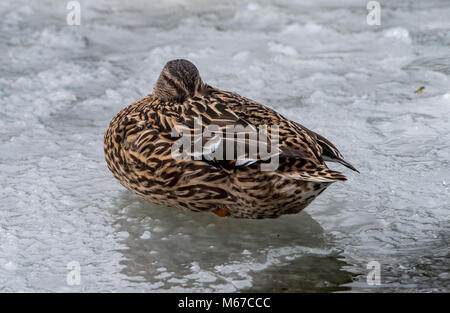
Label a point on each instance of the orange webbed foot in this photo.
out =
(221, 212)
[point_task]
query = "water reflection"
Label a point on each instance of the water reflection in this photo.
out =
(170, 249)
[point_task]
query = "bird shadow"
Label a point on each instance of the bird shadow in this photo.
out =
(168, 249)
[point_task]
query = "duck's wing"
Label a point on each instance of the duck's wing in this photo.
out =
(219, 136)
(297, 152)
(329, 152)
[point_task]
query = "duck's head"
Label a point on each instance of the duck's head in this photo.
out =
(178, 80)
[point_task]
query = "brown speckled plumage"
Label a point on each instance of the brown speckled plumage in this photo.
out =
(138, 145)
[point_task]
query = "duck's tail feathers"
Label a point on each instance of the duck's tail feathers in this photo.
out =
(319, 175)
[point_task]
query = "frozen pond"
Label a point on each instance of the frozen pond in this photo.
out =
(315, 62)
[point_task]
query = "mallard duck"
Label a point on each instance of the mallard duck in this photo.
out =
(139, 151)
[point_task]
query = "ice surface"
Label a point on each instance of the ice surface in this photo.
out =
(317, 62)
